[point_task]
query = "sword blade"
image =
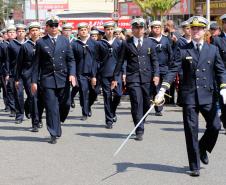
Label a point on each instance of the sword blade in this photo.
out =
(138, 124)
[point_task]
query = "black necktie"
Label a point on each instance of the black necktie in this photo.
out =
(139, 44)
(198, 48)
(54, 41)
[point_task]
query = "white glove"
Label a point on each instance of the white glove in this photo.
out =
(223, 94)
(159, 98)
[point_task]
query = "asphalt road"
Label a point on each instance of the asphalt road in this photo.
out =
(84, 153)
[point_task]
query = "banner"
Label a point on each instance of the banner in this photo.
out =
(50, 4)
(122, 23)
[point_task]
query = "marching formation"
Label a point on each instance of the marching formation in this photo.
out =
(146, 63)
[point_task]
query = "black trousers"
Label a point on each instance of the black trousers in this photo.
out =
(34, 103)
(140, 102)
(111, 98)
(223, 112)
(57, 103)
(4, 92)
(191, 128)
(10, 94)
(19, 100)
(87, 94)
(74, 91)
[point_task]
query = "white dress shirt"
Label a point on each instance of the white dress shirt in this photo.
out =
(201, 44)
(135, 40)
(51, 37)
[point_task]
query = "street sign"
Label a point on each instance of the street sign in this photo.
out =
(115, 16)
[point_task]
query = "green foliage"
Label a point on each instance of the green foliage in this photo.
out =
(155, 7)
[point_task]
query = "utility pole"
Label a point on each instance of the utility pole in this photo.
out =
(208, 10)
(36, 10)
(116, 9)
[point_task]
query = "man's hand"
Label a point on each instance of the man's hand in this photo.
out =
(159, 98)
(72, 80)
(17, 84)
(34, 88)
(223, 94)
(114, 84)
(124, 79)
(156, 80)
(174, 38)
(7, 78)
(93, 82)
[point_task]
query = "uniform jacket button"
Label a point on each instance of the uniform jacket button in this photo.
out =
(197, 86)
(203, 70)
(197, 70)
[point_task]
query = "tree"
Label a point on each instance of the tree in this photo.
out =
(154, 8)
(1, 14)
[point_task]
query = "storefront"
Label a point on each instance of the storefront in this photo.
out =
(217, 8)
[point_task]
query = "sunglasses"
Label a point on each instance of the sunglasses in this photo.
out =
(54, 25)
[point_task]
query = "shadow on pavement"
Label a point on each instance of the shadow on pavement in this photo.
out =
(123, 113)
(4, 114)
(7, 120)
(123, 167)
(23, 138)
(105, 135)
(16, 128)
(179, 129)
(83, 125)
(74, 117)
(163, 122)
(175, 110)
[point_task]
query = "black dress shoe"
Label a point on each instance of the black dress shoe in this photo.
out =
(73, 104)
(28, 116)
(34, 129)
(108, 126)
(158, 113)
(139, 137)
(84, 118)
(40, 124)
(195, 173)
(115, 118)
(53, 140)
(90, 113)
(203, 156)
(18, 121)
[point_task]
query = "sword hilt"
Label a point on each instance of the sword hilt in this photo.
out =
(163, 101)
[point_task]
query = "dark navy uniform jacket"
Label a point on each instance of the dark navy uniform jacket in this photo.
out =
(109, 55)
(142, 64)
(220, 42)
(181, 42)
(199, 74)
(85, 56)
(3, 57)
(25, 60)
(53, 64)
(12, 53)
(164, 53)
